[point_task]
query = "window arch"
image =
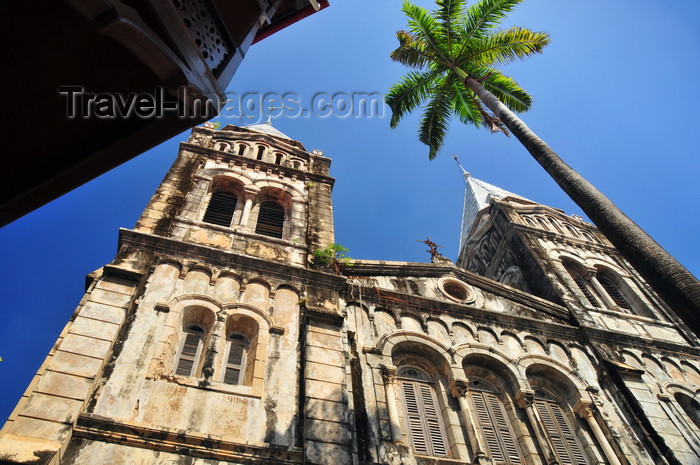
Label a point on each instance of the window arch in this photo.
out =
(559, 430)
(270, 219)
(221, 207)
(494, 423)
(190, 351)
(236, 358)
(426, 430)
(244, 350)
(222, 146)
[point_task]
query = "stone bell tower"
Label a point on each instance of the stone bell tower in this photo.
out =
(208, 339)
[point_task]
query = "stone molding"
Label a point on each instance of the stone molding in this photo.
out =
(98, 428)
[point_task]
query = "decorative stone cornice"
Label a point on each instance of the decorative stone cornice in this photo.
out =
(227, 259)
(423, 270)
(264, 166)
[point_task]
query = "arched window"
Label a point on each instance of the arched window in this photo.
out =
(426, 431)
(236, 351)
(221, 208)
(542, 223)
(613, 291)
(555, 224)
(572, 230)
(261, 152)
(495, 425)
(270, 219)
(690, 406)
(190, 351)
(559, 430)
(583, 285)
(241, 149)
(278, 159)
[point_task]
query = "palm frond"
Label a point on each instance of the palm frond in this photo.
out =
(465, 105)
(436, 119)
(409, 93)
(492, 122)
(409, 53)
(482, 17)
(507, 91)
(426, 29)
(503, 47)
(449, 12)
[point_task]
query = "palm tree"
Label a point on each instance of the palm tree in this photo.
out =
(456, 52)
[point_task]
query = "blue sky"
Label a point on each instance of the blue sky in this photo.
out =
(614, 94)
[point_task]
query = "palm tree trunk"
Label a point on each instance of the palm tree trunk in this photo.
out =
(673, 282)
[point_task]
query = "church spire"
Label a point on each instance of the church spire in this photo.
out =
(478, 195)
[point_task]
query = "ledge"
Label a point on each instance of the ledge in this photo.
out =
(228, 259)
(98, 428)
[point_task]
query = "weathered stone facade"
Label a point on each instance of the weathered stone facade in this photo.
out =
(212, 338)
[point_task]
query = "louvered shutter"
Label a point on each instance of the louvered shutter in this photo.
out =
(425, 429)
(186, 364)
(235, 360)
(613, 292)
(494, 423)
(413, 416)
(221, 208)
(583, 286)
(566, 445)
(436, 432)
(270, 219)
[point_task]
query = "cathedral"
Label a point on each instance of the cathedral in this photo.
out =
(221, 334)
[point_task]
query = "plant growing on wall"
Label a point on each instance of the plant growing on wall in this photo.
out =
(331, 257)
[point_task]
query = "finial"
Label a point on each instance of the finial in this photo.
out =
(433, 247)
(269, 115)
(465, 173)
(271, 108)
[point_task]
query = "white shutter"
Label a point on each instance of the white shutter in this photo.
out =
(425, 429)
(189, 352)
(496, 428)
(235, 359)
(433, 422)
(566, 445)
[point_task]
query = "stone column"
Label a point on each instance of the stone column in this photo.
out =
(525, 400)
(250, 194)
(584, 409)
(389, 378)
(600, 290)
(477, 442)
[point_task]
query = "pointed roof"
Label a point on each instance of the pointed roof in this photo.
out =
(478, 195)
(268, 128)
(264, 128)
